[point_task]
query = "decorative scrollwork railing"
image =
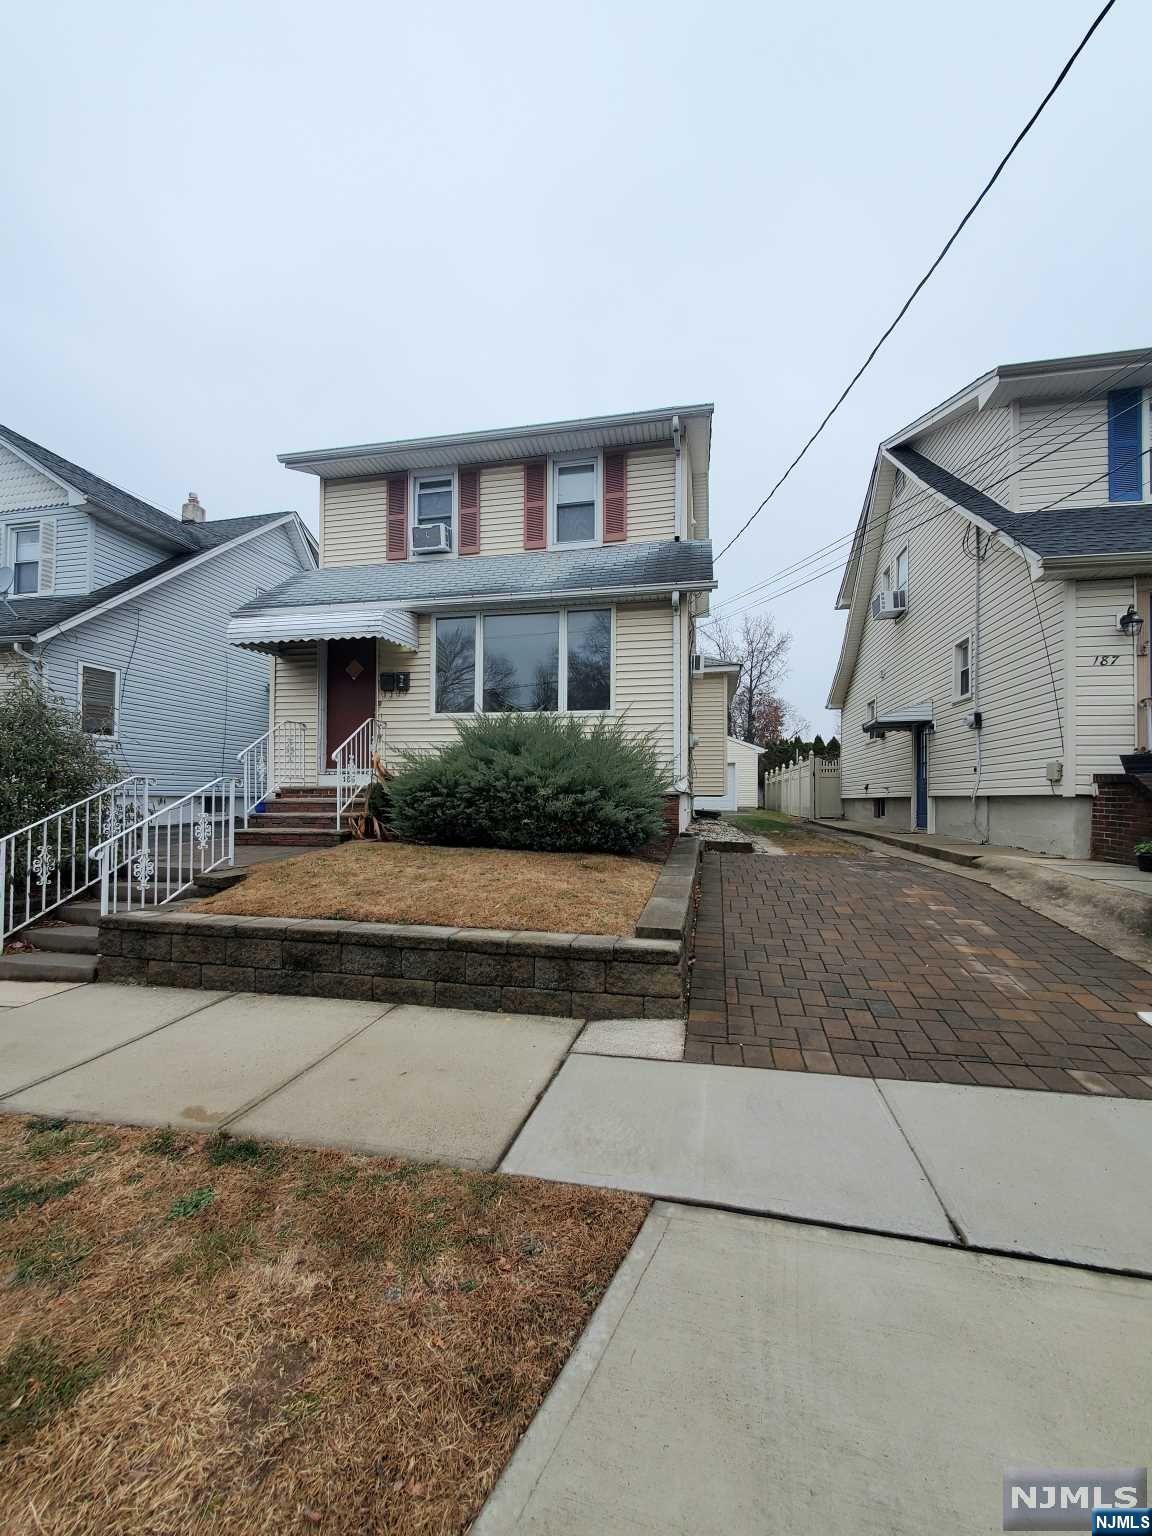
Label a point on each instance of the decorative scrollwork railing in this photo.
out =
(156, 859)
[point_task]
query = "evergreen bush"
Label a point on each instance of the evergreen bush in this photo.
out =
(46, 760)
(534, 781)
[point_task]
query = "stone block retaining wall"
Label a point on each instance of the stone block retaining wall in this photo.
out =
(552, 973)
(567, 974)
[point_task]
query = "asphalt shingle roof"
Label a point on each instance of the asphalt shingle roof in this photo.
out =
(608, 568)
(102, 493)
(1110, 530)
(23, 618)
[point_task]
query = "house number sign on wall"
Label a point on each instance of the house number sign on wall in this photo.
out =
(1106, 661)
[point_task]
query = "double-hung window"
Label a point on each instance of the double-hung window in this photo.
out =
(432, 500)
(25, 548)
(902, 570)
(962, 669)
(524, 661)
(575, 501)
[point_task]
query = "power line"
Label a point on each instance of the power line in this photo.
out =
(947, 246)
(832, 569)
(962, 470)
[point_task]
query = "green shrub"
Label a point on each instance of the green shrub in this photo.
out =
(46, 760)
(547, 782)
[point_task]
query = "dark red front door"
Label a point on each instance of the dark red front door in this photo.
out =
(351, 689)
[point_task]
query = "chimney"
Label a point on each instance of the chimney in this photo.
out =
(192, 511)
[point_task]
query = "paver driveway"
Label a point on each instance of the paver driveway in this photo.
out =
(873, 966)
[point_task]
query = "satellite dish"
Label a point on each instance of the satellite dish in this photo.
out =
(7, 577)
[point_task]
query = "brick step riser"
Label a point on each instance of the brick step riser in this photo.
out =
(288, 821)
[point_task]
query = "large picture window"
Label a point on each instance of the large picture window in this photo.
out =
(524, 661)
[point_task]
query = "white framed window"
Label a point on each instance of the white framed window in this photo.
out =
(576, 500)
(547, 661)
(869, 716)
(99, 700)
(962, 669)
(902, 570)
(24, 553)
(433, 498)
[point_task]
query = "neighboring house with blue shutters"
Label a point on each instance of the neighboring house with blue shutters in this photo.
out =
(121, 611)
(994, 676)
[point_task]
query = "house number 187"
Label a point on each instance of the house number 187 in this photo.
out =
(1105, 661)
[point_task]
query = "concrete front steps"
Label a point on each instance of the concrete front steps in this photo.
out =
(63, 948)
(296, 816)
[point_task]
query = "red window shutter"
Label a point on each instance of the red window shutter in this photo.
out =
(397, 517)
(469, 508)
(535, 509)
(615, 497)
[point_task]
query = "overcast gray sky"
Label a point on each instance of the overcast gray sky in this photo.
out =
(232, 230)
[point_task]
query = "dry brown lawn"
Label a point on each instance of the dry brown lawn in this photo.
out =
(449, 887)
(222, 1337)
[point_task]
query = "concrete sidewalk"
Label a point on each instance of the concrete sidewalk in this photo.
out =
(1048, 1175)
(429, 1083)
(749, 1375)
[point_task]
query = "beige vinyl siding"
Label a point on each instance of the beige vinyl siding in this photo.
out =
(502, 510)
(295, 696)
(710, 728)
(975, 446)
(1104, 703)
(1081, 430)
(354, 522)
(642, 682)
(353, 513)
(652, 495)
(909, 661)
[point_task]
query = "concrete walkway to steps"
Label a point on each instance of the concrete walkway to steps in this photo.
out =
(745, 1375)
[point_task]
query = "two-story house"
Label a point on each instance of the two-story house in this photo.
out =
(120, 611)
(994, 674)
(551, 567)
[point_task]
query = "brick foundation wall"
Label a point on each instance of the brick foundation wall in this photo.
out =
(1121, 817)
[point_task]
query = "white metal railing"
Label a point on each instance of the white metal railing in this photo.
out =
(164, 854)
(48, 862)
(354, 760)
(273, 759)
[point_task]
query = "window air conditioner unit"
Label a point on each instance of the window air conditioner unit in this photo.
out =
(431, 539)
(697, 662)
(889, 605)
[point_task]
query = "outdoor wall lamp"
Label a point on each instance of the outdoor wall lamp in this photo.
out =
(1130, 623)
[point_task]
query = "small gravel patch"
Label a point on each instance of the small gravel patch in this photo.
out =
(724, 832)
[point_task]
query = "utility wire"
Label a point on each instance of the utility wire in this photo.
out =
(963, 471)
(947, 246)
(772, 597)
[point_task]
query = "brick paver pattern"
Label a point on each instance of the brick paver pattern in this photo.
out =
(874, 968)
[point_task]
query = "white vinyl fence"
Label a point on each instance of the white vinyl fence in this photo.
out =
(810, 787)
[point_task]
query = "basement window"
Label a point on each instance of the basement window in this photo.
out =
(879, 808)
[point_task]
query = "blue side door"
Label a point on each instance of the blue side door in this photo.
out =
(920, 749)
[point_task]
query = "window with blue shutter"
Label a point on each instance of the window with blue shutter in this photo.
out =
(1125, 445)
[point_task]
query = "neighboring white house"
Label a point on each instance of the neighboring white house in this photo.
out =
(121, 610)
(556, 567)
(995, 666)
